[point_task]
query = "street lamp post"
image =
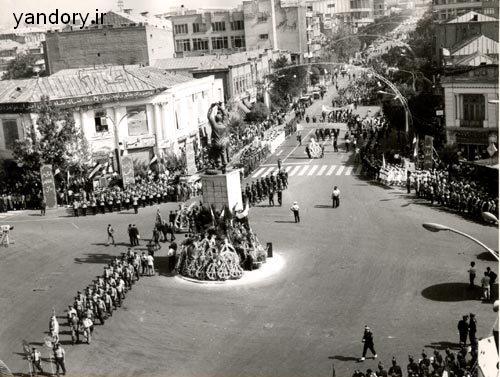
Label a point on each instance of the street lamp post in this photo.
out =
(433, 227)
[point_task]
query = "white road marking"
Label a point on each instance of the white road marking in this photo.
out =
(280, 152)
(330, 171)
(322, 170)
(348, 170)
(294, 171)
(313, 169)
(294, 149)
(258, 172)
(304, 169)
(341, 169)
(269, 171)
(288, 168)
(76, 226)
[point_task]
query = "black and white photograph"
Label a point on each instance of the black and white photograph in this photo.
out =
(249, 188)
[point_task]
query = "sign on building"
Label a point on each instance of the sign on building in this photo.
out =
(127, 171)
(48, 186)
(428, 151)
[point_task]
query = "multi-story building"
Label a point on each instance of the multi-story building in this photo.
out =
(198, 32)
(240, 73)
(471, 109)
(24, 40)
(356, 13)
(379, 9)
(445, 10)
(282, 25)
(123, 38)
(140, 111)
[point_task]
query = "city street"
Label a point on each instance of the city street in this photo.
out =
(368, 262)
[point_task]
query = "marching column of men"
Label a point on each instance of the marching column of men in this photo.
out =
(266, 187)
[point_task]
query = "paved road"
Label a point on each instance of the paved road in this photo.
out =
(367, 262)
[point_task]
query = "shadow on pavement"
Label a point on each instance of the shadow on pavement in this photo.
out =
(284, 221)
(111, 245)
(323, 206)
(453, 292)
(96, 258)
(162, 266)
(486, 256)
(440, 346)
(343, 358)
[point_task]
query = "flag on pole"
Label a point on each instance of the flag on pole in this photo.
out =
(383, 160)
(95, 169)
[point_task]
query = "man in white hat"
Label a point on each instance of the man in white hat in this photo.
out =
(368, 343)
(295, 209)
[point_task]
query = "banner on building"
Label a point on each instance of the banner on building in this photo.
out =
(48, 186)
(127, 171)
(428, 151)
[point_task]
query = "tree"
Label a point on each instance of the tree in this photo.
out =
(342, 45)
(287, 81)
(258, 113)
(21, 67)
(55, 140)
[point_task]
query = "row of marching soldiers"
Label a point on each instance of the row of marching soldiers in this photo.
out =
(266, 187)
(105, 294)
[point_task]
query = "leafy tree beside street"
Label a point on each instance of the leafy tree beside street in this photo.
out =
(21, 67)
(54, 140)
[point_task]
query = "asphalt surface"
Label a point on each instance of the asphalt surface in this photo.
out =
(369, 261)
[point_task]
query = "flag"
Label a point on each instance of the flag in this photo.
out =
(383, 160)
(154, 160)
(57, 172)
(415, 146)
(95, 169)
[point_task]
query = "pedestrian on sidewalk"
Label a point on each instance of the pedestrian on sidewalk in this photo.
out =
(295, 209)
(110, 231)
(368, 343)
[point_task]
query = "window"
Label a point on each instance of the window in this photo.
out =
(10, 132)
(200, 44)
(262, 17)
(263, 37)
(101, 122)
(199, 28)
(237, 41)
(219, 26)
(182, 45)
(474, 105)
(137, 120)
(237, 25)
(218, 43)
(489, 10)
(330, 6)
(180, 29)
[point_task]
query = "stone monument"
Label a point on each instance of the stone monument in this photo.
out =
(220, 187)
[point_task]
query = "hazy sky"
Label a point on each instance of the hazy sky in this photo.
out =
(89, 6)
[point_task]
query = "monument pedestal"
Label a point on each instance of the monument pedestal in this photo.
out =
(222, 189)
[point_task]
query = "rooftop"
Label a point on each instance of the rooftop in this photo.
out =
(77, 83)
(472, 17)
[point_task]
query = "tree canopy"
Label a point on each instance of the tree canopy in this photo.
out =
(21, 67)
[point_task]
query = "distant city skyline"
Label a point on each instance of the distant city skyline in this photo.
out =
(89, 6)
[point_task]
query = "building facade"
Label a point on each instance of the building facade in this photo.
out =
(140, 111)
(471, 109)
(198, 33)
(445, 10)
(146, 39)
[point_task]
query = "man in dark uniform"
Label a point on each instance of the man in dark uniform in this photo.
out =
(258, 188)
(254, 193)
(248, 193)
(271, 196)
(463, 330)
(395, 369)
(368, 343)
(412, 368)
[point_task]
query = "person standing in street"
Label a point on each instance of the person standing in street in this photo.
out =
(335, 197)
(36, 356)
(472, 274)
(472, 331)
(368, 343)
(492, 275)
(485, 285)
(299, 137)
(60, 356)
(463, 330)
(295, 209)
(110, 231)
